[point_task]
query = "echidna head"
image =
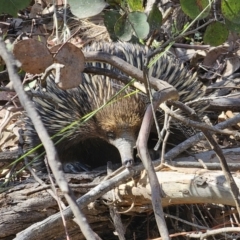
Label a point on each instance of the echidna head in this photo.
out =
(120, 122)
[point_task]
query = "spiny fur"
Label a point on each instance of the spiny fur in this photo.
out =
(167, 68)
(74, 104)
(123, 114)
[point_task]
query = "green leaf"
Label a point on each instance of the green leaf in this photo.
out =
(234, 27)
(135, 5)
(231, 10)
(13, 6)
(133, 23)
(113, 2)
(139, 24)
(86, 8)
(193, 8)
(216, 34)
(123, 29)
(154, 18)
(110, 19)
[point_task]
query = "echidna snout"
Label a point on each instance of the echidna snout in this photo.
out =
(125, 144)
(122, 120)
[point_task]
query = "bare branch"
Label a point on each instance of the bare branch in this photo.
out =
(54, 162)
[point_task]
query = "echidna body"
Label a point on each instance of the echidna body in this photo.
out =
(116, 123)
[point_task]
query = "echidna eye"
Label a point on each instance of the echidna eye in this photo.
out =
(111, 135)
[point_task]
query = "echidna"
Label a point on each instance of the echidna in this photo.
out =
(117, 123)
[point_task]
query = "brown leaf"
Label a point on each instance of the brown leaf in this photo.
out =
(213, 55)
(6, 96)
(232, 64)
(33, 55)
(35, 10)
(73, 60)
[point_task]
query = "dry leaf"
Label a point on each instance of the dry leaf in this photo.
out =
(232, 64)
(33, 55)
(73, 60)
(213, 55)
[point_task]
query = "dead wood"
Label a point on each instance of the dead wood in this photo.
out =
(28, 204)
